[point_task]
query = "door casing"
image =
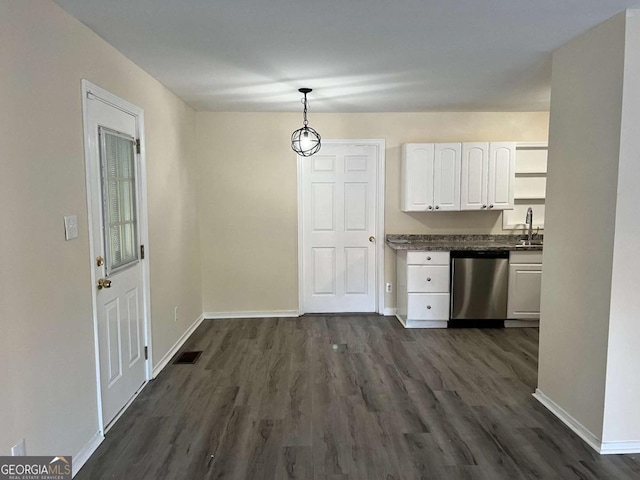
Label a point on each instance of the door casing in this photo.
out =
(380, 241)
(89, 90)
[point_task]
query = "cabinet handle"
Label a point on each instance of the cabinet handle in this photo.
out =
(428, 279)
(428, 307)
(437, 207)
(484, 206)
(430, 207)
(428, 258)
(490, 206)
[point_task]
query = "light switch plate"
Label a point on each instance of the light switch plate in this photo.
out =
(71, 227)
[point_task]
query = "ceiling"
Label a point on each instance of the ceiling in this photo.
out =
(357, 55)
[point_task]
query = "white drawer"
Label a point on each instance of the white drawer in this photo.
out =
(525, 257)
(428, 306)
(427, 258)
(428, 278)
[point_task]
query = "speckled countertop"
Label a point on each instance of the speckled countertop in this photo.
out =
(462, 242)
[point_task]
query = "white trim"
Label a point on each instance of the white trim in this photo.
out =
(380, 144)
(177, 346)
(423, 323)
(80, 458)
(603, 448)
(579, 429)
(388, 311)
(616, 448)
(301, 306)
(263, 314)
(95, 92)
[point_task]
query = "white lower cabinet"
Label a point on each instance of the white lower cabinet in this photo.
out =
(423, 281)
(525, 277)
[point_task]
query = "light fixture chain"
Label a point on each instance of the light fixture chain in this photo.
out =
(305, 122)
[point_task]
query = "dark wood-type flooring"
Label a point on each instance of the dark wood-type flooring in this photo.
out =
(348, 397)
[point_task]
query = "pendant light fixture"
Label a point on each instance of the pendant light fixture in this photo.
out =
(305, 141)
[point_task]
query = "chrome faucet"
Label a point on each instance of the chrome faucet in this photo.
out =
(529, 222)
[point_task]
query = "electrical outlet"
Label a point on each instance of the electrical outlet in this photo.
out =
(19, 449)
(175, 314)
(389, 288)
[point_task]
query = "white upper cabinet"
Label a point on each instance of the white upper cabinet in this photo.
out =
(474, 183)
(502, 166)
(446, 176)
(417, 177)
(457, 176)
(430, 178)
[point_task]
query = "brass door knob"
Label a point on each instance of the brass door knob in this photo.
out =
(104, 283)
(372, 239)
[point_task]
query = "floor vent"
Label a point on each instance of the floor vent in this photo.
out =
(188, 357)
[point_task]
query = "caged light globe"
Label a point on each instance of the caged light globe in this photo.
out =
(305, 141)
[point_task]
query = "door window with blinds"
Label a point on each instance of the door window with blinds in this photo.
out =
(118, 176)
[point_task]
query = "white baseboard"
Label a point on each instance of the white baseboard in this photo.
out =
(617, 448)
(264, 314)
(422, 323)
(579, 429)
(80, 458)
(389, 311)
(604, 448)
(173, 350)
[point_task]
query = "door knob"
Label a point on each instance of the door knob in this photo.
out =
(104, 283)
(372, 239)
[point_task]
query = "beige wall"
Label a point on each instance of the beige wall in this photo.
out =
(248, 214)
(580, 221)
(47, 349)
(621, 417)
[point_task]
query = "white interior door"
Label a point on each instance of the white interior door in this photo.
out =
(339, 211)
(113, 172)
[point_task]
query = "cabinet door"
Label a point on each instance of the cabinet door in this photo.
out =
(474, 178)
(524, 292)
(502, 164)
(417, 177)
(446, 176)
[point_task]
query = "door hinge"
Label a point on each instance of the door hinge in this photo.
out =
(141, 252)
(137, 145)
(146, 353)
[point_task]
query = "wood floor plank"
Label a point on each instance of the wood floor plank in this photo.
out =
(348, 397)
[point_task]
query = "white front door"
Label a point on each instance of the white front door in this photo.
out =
(339, 213)
(113, 172)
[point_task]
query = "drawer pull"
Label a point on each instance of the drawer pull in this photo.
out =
(428, 279)
(428, 307)
(428, 258)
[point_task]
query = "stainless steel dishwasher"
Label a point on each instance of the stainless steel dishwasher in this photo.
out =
(479, 283)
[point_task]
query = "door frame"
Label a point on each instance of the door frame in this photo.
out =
(91, 91)
(379, 144)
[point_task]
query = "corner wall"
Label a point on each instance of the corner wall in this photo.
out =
(621, 417)
(588, 360)
(248, 198)
(47, 343)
